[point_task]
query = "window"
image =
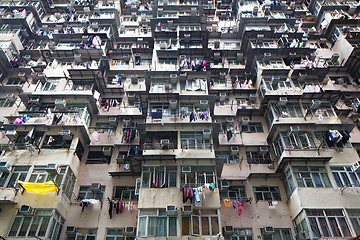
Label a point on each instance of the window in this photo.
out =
(234, 192)
(279, 234)
(354, 215)
(194, 140)
(18, 174)
(117, 234)
(164, 108)
(84, 234)
(293, 140)
(199, 176)
(50, 85)
(265, 193)
(85, 192)
(258, 157)
(305, 176)
(202, 222)
(40, 175)
(159, 177)
(156, 223)
(328, 223)
(124, 193)
(227, 156)
(55, 142)
(38, 224)
(325, 110)
(253, 127)
(345, 176)
(6, 103)
(241, 234)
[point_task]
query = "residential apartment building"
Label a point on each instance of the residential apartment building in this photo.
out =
(179, 119)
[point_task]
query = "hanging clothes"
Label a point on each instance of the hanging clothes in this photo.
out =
(183, 194)
(110, 208)
(191, 195)
(131, 206)
(192, 117)
(234, 204)
(120, 206)
(227, 202)
(117, 207)
(240, 204)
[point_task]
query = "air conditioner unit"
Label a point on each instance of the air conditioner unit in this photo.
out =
(283, 101)
(70, 230)
(234, 150)
(95, 187)
(294, 129)
(204, 104)
(245, 121)
(217, 56)
(120, 159)
(322, 41)
(27, 58)
(356, 166)
(133, 16)
(252, 97)
(229, 120)
(130, 231)
(163, 45)
(335, 58)
(186, 169)
(106, 151)
(217, 43)
(77, 58)
(222, 97)
(187, 210)
(35, 100)
(60, 104)
(275, 80)
(4, 166)
(173, 78)
(173, 104)
(11, 134)
(126, 121)
(206, 134)
(264, 149)
(228, 230)
(143, 16)
(131, 96)
(26, 210)
(268, 230)
(126, 57)
(239, 56)
(11, 97)
(222, 75)
(113, 121)
(134, 79)
(267, 56)
(52, 168)
(224, 184)
(164, 143)
(187, 37)
(171, 210)
(315, 104)
(302, 77)
(183, 76)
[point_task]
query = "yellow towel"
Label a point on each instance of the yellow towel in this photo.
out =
(46, 187)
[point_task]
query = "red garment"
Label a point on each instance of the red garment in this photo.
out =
(240, 210)
(186, 193)
(120, 207)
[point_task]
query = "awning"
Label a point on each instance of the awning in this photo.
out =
(46, 187)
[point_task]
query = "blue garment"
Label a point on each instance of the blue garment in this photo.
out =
(196, 194)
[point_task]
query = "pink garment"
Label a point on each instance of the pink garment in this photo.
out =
(120, 206)
(240, 210)
(18, 121)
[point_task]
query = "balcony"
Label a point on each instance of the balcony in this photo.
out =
(278, 86)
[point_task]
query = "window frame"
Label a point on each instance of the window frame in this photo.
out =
(269, 191)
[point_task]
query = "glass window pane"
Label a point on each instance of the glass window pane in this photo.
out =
(25, 226)
(142, 226)
(314, 227)
(43, 227)
(195, 225)
(34, 226)
(326, 179)
(172, 226)
(15, 226)
(344, 227)
(214, 225)
(324, 227)
(161, 230)
(205, 226)
(356, 225)
(185, 226)
(337, 179)
(334, 227)
(317, 179)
